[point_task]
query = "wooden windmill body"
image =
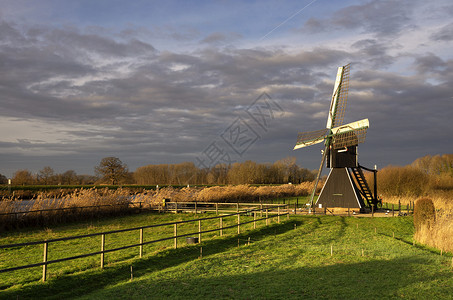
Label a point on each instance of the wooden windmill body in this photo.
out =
(346, 185)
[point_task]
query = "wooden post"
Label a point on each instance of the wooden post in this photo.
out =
(237, 207)
(408, 208)
(267, 216)
(348, 212)
(331, 250)
(287, 215)
(399, 206)
(44, 260)
(393, 210)
(132, 273)
(175, 233)
(362, 252)
(254, 220)
(372, 211)
(141, 242)
(217, 209)
(176, 207)
(278, 215)
(295, 208)
(221, 226)
(195, 207)
(199, 231)
(261, 210)
(239, 223)
(102, 250)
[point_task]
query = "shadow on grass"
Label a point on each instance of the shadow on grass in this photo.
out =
(78, 284)
(398, 278)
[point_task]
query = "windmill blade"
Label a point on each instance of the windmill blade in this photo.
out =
(350, 134)
(305, 139)
(339, 97)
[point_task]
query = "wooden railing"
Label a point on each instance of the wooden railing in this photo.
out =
(269, 212)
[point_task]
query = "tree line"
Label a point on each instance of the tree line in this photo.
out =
(111, 170)
(249, 172)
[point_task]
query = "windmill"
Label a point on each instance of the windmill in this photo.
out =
(346, 185)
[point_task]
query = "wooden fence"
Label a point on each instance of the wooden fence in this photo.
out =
(266, 212)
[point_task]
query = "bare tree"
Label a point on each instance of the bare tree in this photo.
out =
(112, 169)
(23, 177)
(46, 175)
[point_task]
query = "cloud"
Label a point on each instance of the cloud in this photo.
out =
(380, 18)
(220, 38)
(73, 93)
(443, 34)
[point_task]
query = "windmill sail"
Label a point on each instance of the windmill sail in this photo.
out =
(339, 98)
(350, 134)
(305, 139)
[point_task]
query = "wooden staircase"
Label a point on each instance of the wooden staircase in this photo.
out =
(363, 187)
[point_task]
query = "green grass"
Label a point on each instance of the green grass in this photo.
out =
(283, 261)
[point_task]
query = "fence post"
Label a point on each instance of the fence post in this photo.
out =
(44, 260)
(237, 207)
(393, 210)
(176, 207)
(141, 242)
(195, 207)
(217, 209)
(199, 231)
(239, 223)
(267, 216)
(102, 250)
(221, 226)
(278, 214)
(254, 220)
(175, 233)
(287, 212)
(261, 210)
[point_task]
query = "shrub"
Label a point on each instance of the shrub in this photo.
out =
(424, 214)
(402, 181)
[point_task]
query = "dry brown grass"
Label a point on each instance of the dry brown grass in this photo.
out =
(54, 208)
(247, 193)
(93, 202)
(440, 234)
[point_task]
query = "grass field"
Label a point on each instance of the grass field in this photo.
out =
(313, 257)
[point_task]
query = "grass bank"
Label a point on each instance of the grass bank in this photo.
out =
(306, 257)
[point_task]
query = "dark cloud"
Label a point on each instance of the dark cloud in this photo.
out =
(381, 18)
(102, 93)
(220, 38)
(444, 34)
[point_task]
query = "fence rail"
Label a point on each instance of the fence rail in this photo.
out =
(270, 211)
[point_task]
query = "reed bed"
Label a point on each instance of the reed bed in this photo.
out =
(51, 208)
(438, 235)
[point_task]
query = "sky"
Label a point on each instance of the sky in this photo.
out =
(157, 82)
